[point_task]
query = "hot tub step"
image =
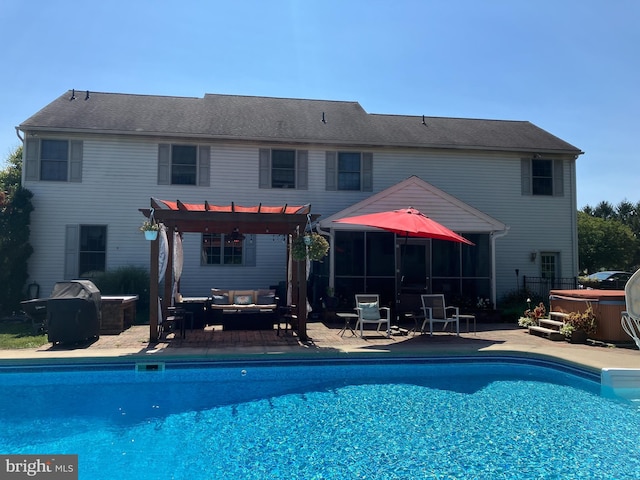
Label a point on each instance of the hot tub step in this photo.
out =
(549, 333)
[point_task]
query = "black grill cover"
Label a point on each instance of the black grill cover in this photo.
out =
(73, 312)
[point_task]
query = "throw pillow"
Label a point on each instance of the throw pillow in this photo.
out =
(243, 300)
(369, 311)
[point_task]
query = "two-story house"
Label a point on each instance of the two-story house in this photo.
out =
(94, 159)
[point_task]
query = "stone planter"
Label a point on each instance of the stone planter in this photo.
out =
(577, 336)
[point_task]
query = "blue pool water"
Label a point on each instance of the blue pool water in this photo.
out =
(405, 419)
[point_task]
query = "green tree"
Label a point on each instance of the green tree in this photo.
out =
(15, 250)
(626, 213)
(604, 244)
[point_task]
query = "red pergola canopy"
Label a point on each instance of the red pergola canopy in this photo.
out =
(205, 217)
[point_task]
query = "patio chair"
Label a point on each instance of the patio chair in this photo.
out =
(436, 311)
(631, 316)
(369, 311)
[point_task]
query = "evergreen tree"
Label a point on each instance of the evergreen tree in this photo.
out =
(15, 250)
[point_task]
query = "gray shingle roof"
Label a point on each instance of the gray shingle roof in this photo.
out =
(282, 120)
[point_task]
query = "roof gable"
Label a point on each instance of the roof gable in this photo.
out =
(431, 201)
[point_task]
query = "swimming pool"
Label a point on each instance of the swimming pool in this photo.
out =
(405, 418)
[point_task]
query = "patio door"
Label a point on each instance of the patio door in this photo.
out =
(414, 265)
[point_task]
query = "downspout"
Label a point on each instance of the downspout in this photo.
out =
(574, 220)
(18, 135)
(494, 237)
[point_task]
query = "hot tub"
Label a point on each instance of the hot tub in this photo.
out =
(607, 305)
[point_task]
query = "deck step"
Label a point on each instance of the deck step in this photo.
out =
(549, 333)
(561, 315)
(546, 322)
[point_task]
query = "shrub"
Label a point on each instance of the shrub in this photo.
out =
(532, 316)
(514, 303)
(585, 321)
(128, 280)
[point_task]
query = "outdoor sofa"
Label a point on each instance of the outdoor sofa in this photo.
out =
(244, 309)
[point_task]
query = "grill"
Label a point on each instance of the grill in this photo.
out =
(72, 311)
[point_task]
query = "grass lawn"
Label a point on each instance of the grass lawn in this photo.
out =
(19, 335)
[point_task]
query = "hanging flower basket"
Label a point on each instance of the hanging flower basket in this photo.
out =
(150, 234)
(150, 229)
(312, 245)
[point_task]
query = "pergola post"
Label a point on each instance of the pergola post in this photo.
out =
(153, 290)
(301, 298)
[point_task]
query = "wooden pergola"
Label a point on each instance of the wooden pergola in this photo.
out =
(206, 218)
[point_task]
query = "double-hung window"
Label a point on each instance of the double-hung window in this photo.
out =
(283, 168)
(85, 250)
(54, 157)
(542, 177)
(93, 249)
(54, 160)
(183, 164)
(349, 171)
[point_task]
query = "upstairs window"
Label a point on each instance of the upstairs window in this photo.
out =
(349, 171)
(283, 169)
(542, 177)
(53, 160)
(54, 157)
(280, 168)
(184, 164)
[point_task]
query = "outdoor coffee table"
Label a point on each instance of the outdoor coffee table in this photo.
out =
(347, 322)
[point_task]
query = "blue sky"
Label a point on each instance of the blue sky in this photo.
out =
(569, 66)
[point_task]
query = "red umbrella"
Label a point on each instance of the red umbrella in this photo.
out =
(407, 222)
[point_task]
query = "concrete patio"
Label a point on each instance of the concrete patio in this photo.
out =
(327, 341)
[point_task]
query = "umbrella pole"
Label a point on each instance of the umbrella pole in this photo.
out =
(399, 290)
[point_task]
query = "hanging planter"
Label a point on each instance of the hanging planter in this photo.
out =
(150, 234)
(150, 229)
(312, 246)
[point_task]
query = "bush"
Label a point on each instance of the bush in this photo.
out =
(516, 302)
(129, 280)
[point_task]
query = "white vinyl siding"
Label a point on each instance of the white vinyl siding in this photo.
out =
(120, 175)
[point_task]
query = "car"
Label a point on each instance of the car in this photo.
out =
(606, 280)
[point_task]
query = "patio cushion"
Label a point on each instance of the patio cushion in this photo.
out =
(267, 299)
(369, 311)
(220, 299)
